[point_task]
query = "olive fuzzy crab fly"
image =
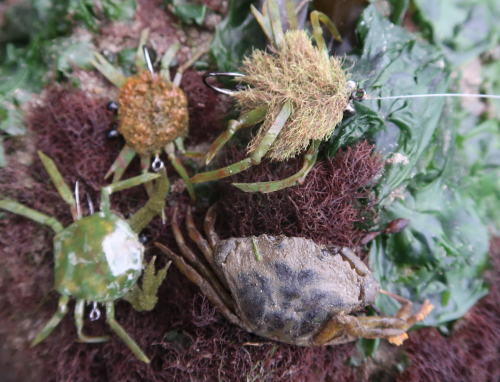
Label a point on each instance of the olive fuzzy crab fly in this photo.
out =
(297, 90)
(290, 289)
(99, 258)
(152, 113)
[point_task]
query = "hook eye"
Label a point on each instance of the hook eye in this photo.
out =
(149, 64)
(157, 164)
(358, 95)
(87, 192)
(95, 314)
(221, 74)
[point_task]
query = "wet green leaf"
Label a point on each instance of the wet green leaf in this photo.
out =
(236, 35)
(398, 10)
(188, 12)
(122, 10)
(442, 253)
(390, 62)
(463, 29)
(12, 121)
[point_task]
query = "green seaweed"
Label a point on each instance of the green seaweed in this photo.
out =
(443, 179)
(236, 35)
(463, 29)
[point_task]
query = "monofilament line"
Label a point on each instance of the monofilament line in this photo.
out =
(437, 95)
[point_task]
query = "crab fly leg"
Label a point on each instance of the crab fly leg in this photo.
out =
(167, 59)
(79, 311)
(123, 185)
(291, 15)
(132, 345)
(256, 156)
(203, 284)
(265, 187)
(316, 17)
(270, 24)
(19, 209)
(121, 163)
(140, 58)
(246, 120)
(195, 235)
(62, 309)
(205, 272)
(170, 150)
(195, 57)
(145, 164)
(154, 206)
(404, 313)
(208, 225)
(179, 143)
(108, 70)
(393, 328)
(59, 182)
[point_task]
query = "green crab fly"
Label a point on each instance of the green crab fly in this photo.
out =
(152, 113)
(297, 90)
(98, 258)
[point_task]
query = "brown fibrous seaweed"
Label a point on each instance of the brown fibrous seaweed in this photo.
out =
(333, 206)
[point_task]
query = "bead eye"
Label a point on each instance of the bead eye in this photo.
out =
(112, 106)
(112, 134)
(144, 236)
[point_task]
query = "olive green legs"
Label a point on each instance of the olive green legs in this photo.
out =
(155, 204)
(246, 120)
(110, 319)
(79, 308)
(59, 182)
(265, 187)
(79, 311)
(259, 152)
(108, 70)
(121, 163)
(393, 328)
(316, 17)
(123, 185)
(62, 309)
(170, 150)
(61, 187)
(20, 209)
(272, 27)
(270, 24)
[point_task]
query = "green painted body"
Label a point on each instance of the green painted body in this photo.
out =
(97, 258)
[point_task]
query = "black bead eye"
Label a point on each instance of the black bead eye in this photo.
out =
(112, 106)
(112, 134)
(144, 236)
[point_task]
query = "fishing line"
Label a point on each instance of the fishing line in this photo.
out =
(436, 95)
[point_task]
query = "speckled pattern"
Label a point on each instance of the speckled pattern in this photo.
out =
(103, 268)
(295, 288)
(152, 113)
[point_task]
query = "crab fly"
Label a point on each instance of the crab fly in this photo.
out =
(297, 90)
(290, 289)
(99, 258)
(152, 112)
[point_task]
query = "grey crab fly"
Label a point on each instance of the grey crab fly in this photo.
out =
(290, 289)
